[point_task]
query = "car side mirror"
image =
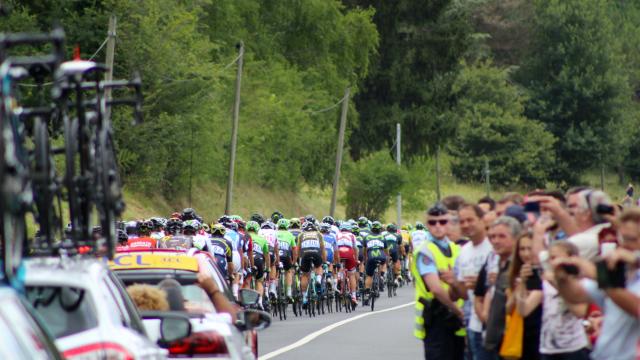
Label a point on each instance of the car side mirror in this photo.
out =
(173, 325)
(251, 319)
(248, 297)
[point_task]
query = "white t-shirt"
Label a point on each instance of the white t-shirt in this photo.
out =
(561, 332)
(468, 263)
(418, 237)
(587, 242)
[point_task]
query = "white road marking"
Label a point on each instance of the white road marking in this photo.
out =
(325, 330)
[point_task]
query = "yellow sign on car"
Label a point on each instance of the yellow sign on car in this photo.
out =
(153, 261)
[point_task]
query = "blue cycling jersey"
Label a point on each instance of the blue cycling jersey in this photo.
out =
(329, 245)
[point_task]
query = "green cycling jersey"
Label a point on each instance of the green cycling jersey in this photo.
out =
(286, 242)
(260, 244)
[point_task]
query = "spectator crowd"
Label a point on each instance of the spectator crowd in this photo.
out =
(546, 275)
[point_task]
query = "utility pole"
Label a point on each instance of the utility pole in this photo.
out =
(111, 48)
(234, 129)
(343, 125)
(399, 199)
(438, 173)
(487, 179)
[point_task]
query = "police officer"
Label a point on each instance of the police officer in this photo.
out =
(439, 317)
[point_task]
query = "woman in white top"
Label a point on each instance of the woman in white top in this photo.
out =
(562, 336)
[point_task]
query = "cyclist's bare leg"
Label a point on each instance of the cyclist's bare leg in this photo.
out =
(289, 280)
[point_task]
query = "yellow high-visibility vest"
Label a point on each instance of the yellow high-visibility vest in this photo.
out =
(442, 263)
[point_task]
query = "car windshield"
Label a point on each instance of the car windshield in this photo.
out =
(65, 310)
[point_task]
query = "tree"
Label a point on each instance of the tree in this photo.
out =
(372, 182)
(421, 44)
(493, 129)
(576, 85)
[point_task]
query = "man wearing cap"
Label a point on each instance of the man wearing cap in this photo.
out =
(439, 316)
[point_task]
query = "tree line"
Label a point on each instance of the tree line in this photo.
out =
(541, 90)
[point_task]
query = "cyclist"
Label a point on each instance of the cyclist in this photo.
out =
(330, 248)
(311, 249)
(276, 216)
(131, 227)
(287, 253)
(363, 224)
(332, 222)
(294, 227)
(348, 251)
(268, 231)
(257, 218)
(393, 241)
(419, 235)
(174, 238)
(123, 240)
(157, 232)
(406, 241)
(259, 260)
(188, 214)
(220, 247)
(375, 251)
(143, 240)
(236, 246)
(355, 230)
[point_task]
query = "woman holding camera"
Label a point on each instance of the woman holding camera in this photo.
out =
(525, 296)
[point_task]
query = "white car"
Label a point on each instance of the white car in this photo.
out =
(214, 334)
(87, 310)
(21, 335)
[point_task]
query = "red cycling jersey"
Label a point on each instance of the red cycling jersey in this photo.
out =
(141, 242)
(346, 242)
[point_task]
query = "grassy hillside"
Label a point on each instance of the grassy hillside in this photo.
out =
(209, 200)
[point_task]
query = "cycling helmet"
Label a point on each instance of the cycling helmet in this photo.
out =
(190, 227)
(144, 227)
(253, 226)
(355, 230)
(206, 228)
(257, 218)
(218, 229)
(324, 227)
(376, 226)
(345, 226)
(283, 224)
(309, 226)
(295, 223)
(310, 218)
(329, 220)
(392, 228)
(241, 224)
(276, 216)
(188, 214)
(157, 223)
(419, 225)
(236, 218)
(122, 237)
(363, 221)
(268, 225)
(131, 228)
(224, 219)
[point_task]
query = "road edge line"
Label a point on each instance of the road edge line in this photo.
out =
(325, 330)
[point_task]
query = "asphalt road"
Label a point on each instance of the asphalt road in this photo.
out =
(387, 333)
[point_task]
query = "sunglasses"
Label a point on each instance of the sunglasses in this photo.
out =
(434, 222)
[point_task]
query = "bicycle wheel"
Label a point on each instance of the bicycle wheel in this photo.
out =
(338, 297)
(389, 284)
(374, 290)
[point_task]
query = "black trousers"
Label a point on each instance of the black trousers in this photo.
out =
(442, 344)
